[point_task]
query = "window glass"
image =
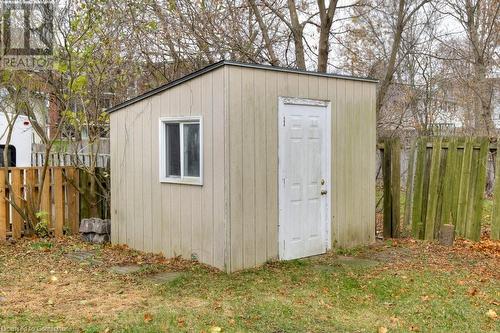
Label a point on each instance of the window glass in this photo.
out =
(173, 160)
(191, 150)
(12, 156)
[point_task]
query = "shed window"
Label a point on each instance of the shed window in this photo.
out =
(180, 150)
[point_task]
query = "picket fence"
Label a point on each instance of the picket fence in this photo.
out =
(59, 199)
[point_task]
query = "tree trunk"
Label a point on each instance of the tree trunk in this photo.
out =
(265, 34)
(391, 65)
(297, 32)
(326, 21)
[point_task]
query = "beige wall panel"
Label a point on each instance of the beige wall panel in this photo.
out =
(129, 165)
(113, 125)
(235, 168)
(271, 111)
(219, 170)
(157, 201)
(331, 94)
(261, 165)
(339, 159)
(173, 98)
(167, 214)
(170, 218)
(147, 202)
(293, 85)
(121, 153)
(353, 125)
(206, 220)
(248, 168)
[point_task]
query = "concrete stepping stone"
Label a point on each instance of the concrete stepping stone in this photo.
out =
(79, 255)
(129, 269)
(163, 277)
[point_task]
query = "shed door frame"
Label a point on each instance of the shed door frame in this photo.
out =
(326, 218)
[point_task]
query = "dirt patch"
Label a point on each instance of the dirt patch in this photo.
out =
(69, 279)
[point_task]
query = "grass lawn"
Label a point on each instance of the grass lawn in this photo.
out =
(395, 286)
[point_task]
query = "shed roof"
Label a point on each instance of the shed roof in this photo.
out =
(222, 63)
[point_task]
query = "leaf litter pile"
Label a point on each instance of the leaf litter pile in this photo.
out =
(70, 279)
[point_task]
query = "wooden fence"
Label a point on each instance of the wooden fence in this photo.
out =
(445, 185)
(59, 199)
(69, 159)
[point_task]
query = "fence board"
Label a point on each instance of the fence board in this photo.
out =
(410, 185)
(474, 226)
(495, 220)
(417, 221)
(58, 202)
(441, 194)
(464, 188)
(449, 176)
(456, 183)
(392, 188)
(46, 201)
(395, 188)
(433, 190)
(73, 199)
(3, 208)
(472, 191)
(16, 197)
(387, 189)
(29, 191)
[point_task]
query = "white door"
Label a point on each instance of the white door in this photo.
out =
(304, 175)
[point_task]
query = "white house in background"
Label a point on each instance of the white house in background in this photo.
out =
(21, 140)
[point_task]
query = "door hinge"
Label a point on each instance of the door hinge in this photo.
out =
(283, 121)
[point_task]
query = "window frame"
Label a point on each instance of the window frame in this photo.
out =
(163, 151)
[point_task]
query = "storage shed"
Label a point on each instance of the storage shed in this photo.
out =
(237, 164)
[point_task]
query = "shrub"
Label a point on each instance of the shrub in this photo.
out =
(42, 227)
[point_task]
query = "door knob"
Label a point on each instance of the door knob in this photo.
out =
(323, 192)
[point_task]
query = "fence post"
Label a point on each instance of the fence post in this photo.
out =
(392, 188)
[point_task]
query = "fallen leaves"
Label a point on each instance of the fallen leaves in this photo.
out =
(472, 291)
(492, 314)
(148, 317)
(382, 329)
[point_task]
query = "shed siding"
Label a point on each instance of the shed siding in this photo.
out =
(170, 218)
(253, 159)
